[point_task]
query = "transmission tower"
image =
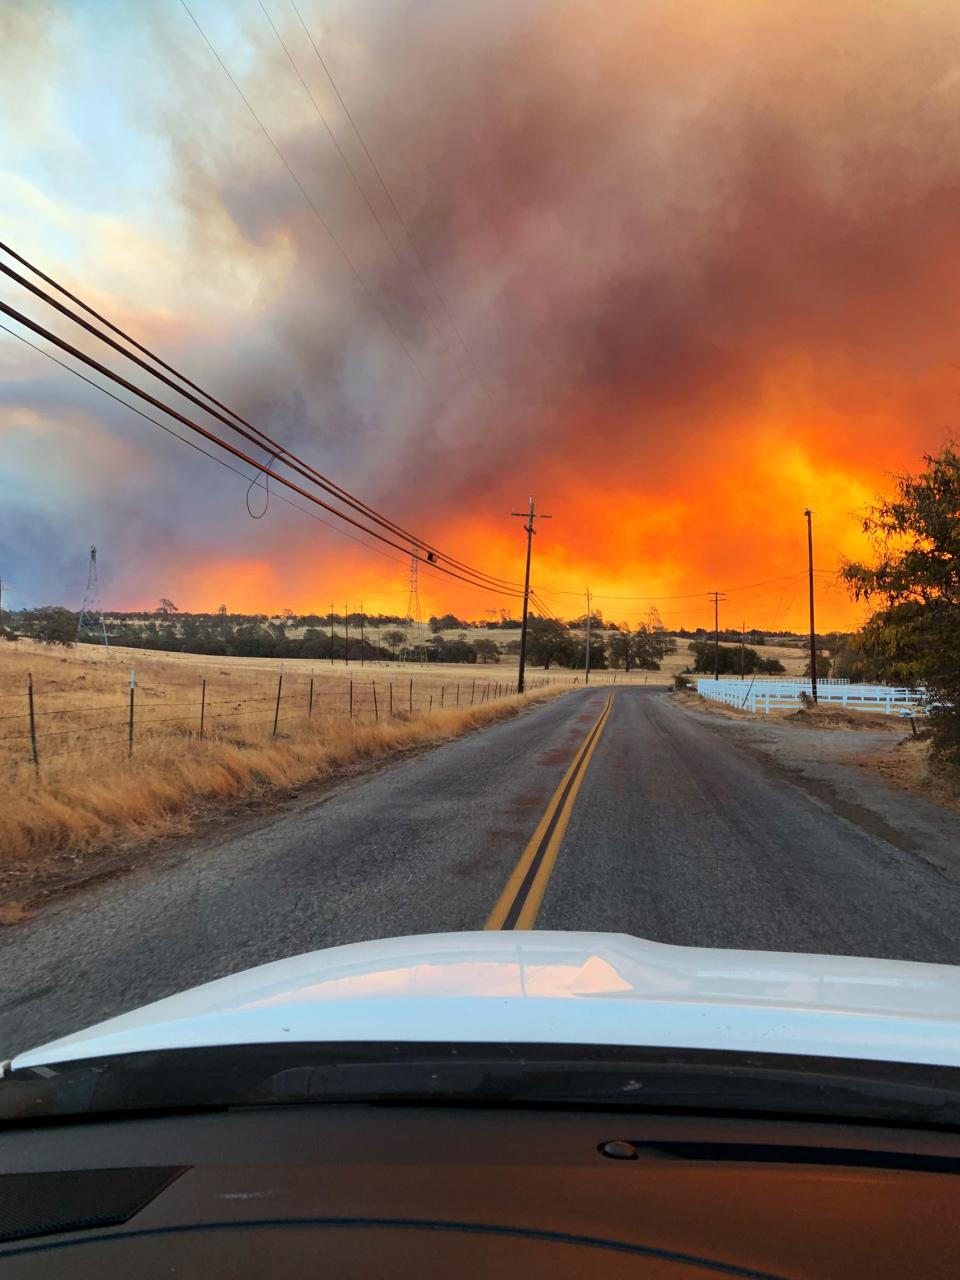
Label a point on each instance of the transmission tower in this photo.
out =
(416, 652)
(92, 625)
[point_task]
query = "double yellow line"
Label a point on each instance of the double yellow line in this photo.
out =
(520, 901)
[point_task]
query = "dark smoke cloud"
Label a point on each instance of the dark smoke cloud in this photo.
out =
(649, 223)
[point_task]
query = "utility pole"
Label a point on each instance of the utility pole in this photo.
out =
(717, 597)
(586, 664)
(332, 618)
(530, 516)
(813, 630)
(743, 636)
(361, 633)
(346, 636)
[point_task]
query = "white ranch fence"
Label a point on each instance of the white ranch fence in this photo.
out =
(765, 696)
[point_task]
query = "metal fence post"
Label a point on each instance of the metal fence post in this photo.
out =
(376, 713)
(411, 695)
(276, 713)
(430, 707)
(33, 723)
(390, 688)
(203, 706)
(458, 695)
(473, 690)
(442, 688)
(351, 700)
(133, 685)
(310, 701)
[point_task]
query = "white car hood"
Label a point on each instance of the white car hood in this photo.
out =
(554, 988)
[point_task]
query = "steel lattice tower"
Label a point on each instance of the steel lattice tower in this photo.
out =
(92, 625)
(416, 652)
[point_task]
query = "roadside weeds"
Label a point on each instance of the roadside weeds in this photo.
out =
(51, 830)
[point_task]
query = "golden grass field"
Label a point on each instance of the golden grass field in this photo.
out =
(90, 791)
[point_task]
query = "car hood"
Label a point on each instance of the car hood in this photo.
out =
(554, 988)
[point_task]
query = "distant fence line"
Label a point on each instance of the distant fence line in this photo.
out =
(34, 732)
(765, 696)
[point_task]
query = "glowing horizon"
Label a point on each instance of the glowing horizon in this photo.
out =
(679, 274)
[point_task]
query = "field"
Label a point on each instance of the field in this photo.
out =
(95, 787)
(83, 701)
(209, 731)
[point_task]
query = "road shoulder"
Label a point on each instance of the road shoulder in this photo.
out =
(852, 771)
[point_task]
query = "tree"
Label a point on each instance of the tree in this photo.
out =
(166, 607)
(914, 633)
(823, 666)
(855, 661)
(487, 650)
(548, 642)
(642, 648)
(50, 625)
(703, 655)
(395, 639)
(447, 623)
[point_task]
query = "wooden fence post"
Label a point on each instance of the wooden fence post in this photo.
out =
(310, 701)
(33, 723)
(203, 707)
(442, 687)
(473, 690)
(411, 695)
(133, 685)
(458, 695)
(351, 700)
(276, 714)
(376, 713)
(390, 687)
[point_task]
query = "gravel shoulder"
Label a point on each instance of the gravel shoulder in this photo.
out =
(869, 771)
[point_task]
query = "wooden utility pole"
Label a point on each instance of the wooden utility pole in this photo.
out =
(361, 633)
(717, 597)
(813, 630)
(530, 516)
(586, 665)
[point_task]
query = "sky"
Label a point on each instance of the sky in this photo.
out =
(679, 270)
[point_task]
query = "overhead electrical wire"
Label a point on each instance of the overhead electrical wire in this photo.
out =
(224, 444)
(312, 204)
(222, 462)
(239, 424)
(342, 154)
(393, 204)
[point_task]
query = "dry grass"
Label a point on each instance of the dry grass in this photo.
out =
(909, 765)
(92, 796)
(837, 718)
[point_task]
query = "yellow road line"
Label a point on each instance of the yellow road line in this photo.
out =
(520, 900)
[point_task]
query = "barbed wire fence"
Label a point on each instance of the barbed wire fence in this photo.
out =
(43, 727)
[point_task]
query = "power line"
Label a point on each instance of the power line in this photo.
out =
(303, 191)
(213, 438)
(393, 204)
(342, 154)
(341, 533)
(245, 429)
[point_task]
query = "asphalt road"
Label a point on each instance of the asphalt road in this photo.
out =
(652, 824)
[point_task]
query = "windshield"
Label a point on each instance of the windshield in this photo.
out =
(480, 476)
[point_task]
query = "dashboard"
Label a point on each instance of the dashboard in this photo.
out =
(411, 1191)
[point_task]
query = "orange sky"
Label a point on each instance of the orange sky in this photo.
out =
(680, 272)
